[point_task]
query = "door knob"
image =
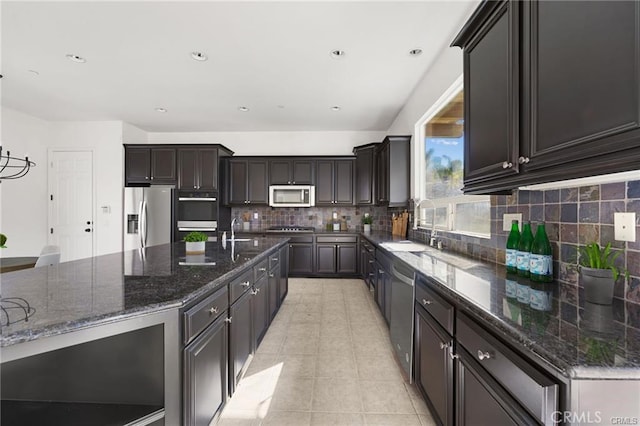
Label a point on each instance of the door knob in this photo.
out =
(87, 230)
(88, 222)
(507, 165)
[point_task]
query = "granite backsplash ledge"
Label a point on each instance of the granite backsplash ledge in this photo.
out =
(574, 216)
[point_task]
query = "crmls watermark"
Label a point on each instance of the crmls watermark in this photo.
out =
(590, 417)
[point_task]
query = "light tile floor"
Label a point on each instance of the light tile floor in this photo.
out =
(326, 360)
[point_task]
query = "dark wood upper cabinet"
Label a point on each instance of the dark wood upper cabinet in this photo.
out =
(365, 174)
(291, 172)
(393, 167)
(163, 165)
(547, 96)
(334, 182)
(150, 165)
(248, 182)
(198, 168)
(137, 165)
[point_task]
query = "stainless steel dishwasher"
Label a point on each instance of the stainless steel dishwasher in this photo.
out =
(401, 324)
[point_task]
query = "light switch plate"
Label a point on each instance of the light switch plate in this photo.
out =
(508, 217)
(624, 225)
(255, 215)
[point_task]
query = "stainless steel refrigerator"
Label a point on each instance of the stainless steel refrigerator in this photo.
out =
(147, 216)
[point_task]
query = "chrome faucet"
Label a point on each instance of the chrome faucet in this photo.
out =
(233, 234)
(432, 238)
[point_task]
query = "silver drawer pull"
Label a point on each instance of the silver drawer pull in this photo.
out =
(271, 275)
(451, 354)
(380, 271)
(426, 302)
(228, 320)
(275, 259)
(483, 355)
(262, 269)
(444, 345)
(213, 310)
(245, 284)
(371, 261)
(254, 292)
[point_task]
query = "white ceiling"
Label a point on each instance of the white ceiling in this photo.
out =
(272, 57)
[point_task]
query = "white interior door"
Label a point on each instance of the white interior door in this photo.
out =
(71, 199)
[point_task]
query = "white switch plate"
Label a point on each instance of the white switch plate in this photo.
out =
(624, 225)
(508, 217)
(255, 215)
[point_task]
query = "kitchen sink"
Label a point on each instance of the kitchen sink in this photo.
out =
(404, 246)
(241, 239)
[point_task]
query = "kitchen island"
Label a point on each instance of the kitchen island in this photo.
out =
(109, 330)
(587, 355)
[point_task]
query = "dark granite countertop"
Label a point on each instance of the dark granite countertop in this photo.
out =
(317, 231)
(577, 340)
(103, 289)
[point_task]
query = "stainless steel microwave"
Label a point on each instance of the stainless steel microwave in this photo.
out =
(292, 196)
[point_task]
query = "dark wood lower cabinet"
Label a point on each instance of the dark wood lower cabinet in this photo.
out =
(260, 309)
(481, 400)
(240, 337)
(326, 258)
(205, 374)
(301, 259)
(434, 366)
(274, 289)
(283, 283)
(347, 259)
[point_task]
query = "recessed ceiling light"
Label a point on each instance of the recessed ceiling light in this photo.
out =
(280, 106)
(337, 54)
(76, 58)
(415, 52)
(335, 108)
(243, 109)
(199, 56)
(162, 110)
(34, 72)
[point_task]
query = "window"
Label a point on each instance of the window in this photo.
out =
(440, 159)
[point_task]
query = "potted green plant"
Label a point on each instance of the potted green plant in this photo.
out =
(599, 273)
(367, 220)
(194, 242)
(3, 240)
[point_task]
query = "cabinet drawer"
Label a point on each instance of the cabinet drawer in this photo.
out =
(274, 260)
(336, 239)
(239, 285)
(367, 246)
(536, 392)
(437, 306)
(261, 269)
(204, 313)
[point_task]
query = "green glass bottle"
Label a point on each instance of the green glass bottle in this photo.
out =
(524, 250)
(541, 259)
(512, 247)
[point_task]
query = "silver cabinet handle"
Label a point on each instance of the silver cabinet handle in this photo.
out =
(483, 355)
(271, 275)
(451, 354)
(262, 269)
(275, 259)
(228, 319)
(523, 160)
(443, 345)
(371, 261)
(213, 310)
(245, 284)
(254, 292)
(426, 302)
(507, 165)
(380, 271)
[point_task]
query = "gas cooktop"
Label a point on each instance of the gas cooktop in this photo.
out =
(290, 228)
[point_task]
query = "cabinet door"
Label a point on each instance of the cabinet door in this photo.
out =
(491, 85)
(583, 84)
(380, 281)
(347, 259)
(187, 169)
(240, 337)
(387, 296)
(382, 173)
(237, 182)
(280, 172)
(434, 366)
(343, 182)
(302, 172)
(365, 177)
(163, 165)
(260, 310)
(258, 184)
(208, 168)
(300, 259)
(324, 182)
(478, 396)
(205, 374)
(137, 165)
(284, 273)
(326, 258)
(274, 288)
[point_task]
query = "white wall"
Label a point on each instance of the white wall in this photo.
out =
(133, 134)
(24, 201)
(276, 143)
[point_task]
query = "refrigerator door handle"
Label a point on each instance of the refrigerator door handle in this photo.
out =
(146, 223)
(140, 223)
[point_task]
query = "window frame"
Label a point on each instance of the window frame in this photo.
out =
(420, 176)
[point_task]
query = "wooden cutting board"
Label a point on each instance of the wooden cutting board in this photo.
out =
(399, 224)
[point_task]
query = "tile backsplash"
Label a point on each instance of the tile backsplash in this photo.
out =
(573, 216)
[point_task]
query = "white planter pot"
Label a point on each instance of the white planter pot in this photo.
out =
(196, 247)
(246, 226)
(367, 227)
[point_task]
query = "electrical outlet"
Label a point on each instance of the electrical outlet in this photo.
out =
(624, 225)
(508, 217)
(255, 215)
